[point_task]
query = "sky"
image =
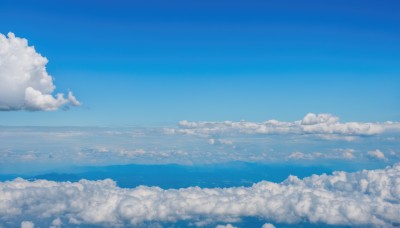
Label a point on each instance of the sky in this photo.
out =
(155, 63)
(199, 113)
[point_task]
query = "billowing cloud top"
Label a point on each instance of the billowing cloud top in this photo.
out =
(24, 81)
(319, 124)
(361, 198)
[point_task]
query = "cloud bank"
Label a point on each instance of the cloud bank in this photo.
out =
(327, 126)
(359, 198)
(24, 81)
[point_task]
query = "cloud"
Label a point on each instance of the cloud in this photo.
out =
(225, 226)
(313, 119)
(336, 154)
(27, 224)
(325, 126)
(364, 198)
(131, 153)
(268, 225)
(346, 153)
(56, 223)
(299, 155)
(105, 146)
(213, 141)
(24, 81)
(377, 154)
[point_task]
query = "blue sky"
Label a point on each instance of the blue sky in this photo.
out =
(152, 62)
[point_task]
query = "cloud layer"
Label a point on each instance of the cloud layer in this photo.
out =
(35, 146)
(360, 198)
(326, 126)
(24, 81)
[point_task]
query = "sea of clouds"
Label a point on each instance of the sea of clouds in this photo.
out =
(368, 197)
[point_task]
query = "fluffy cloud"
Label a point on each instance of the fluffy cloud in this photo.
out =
(56, 223)
(365, 198)
(268, 225)
(326, 126)
(24, 81)
(377, 154)
(27, 224)
(346, 153)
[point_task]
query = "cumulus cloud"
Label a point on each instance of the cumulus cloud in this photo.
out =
(268, 225)
(377, 154)
(364, 198)
(27, 224)
(24, 81)
(325, 126)
(56, 223)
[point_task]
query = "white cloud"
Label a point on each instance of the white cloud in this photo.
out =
(299, 155)
(213, 141)
(268, 225)
(56, 223)
(24, 81)
(313, 119)
(131, 153)
(27, 224)
(72, 99)
(225, 226)
(365, 198)
(336, 154)
(325, 126)
(346, 153)
(377, 154)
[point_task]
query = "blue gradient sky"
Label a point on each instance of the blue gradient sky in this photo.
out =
(158, 62)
